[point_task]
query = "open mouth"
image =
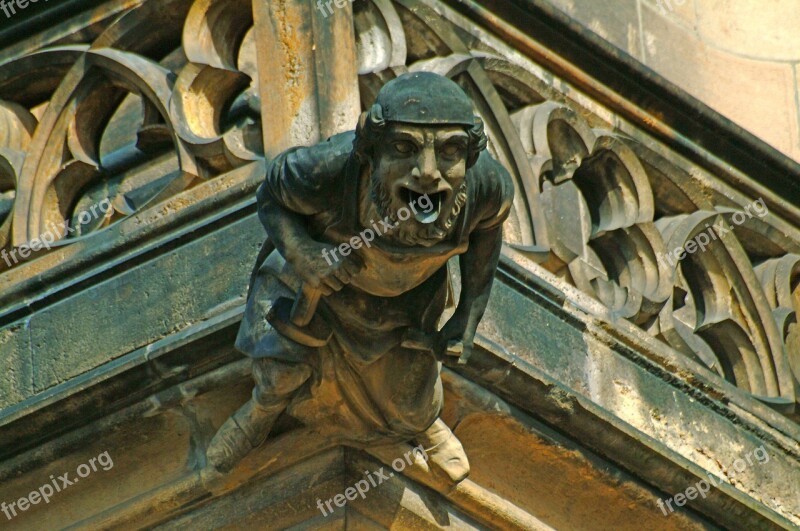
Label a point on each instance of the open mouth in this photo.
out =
(427, 207)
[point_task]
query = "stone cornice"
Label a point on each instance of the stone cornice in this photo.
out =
(590, 342)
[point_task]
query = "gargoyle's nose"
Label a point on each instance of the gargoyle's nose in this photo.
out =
(427, 172)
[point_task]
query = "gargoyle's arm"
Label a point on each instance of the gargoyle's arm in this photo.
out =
(478, 267)
(288, 230)
(299, 183)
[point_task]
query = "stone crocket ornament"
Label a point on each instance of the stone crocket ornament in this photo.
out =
(343, 310)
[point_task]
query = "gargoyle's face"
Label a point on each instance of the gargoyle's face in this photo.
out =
(423, 167)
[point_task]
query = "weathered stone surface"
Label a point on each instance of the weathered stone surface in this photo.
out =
(662, 409)
(758, 95)
(620, 27)
(733, 56)
(313, 95)
(153, 300)
(285, 499)
(16, 363)
(400, 503)
(759, 31)
(597, 365)
(551, 481)
(139, 459)
(683, 11)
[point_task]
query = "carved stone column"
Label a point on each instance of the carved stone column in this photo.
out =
(307, 68)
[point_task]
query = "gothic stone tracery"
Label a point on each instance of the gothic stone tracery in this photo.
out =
(134, 121)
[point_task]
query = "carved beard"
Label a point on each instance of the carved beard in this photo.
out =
(410, 232)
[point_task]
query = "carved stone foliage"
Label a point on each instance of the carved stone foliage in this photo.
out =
(606, 214)
(623, 229)
(164, 96)
(136, 120)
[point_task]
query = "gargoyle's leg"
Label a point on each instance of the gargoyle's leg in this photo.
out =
(444, 451)
(246, 429)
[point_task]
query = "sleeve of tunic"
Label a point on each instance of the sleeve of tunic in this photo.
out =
(307, 180)
(494, 192)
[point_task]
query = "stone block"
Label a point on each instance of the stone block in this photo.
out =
(16, 364)
(150, 301)
(757, 95)
(759, 30)
(616, 21)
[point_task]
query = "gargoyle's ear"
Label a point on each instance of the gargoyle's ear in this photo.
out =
(368, 131)
(477, 140)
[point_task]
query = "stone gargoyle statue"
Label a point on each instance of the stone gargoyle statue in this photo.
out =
(343, 311)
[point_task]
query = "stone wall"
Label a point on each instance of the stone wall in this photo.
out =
(609, 376)
(740, 57)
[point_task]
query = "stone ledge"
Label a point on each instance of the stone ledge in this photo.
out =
(645, 461)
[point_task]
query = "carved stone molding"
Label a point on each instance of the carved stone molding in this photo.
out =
(601, 362)
(127, 119)
(135, 120)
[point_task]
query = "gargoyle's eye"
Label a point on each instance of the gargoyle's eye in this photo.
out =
(450, 150)
(404, 147)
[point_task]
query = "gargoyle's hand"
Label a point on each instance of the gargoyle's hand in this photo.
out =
(446, 351)
(320, 268)
(455, 335)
